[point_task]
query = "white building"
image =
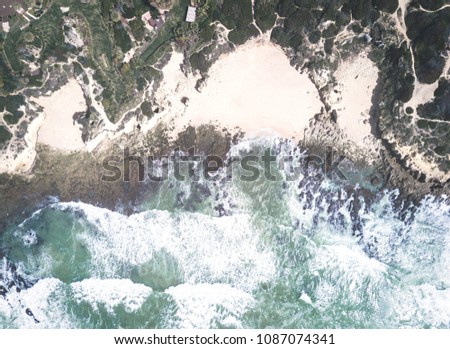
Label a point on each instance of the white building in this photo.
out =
(146, 16)
(5, 27)
(191, 14)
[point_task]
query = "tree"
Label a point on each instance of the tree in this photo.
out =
(28, 37)
(115, 16)
(186, 31)
(30, 3)
(17, 6)
(203, 10)
(162, 4)
(125, 68)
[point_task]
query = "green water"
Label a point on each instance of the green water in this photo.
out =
(281, 256)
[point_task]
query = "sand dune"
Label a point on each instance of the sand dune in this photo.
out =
(357, 79)
(253, 88)
(58, 128)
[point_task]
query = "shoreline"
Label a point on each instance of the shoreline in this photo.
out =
(179, 122)
(77, 176)
(270, 98)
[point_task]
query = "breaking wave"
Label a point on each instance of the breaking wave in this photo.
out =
(287, 254)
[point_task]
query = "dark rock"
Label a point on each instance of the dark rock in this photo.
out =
(334, 116)
(286, 7)
(30, 313)
(376, 33)
(329, 43)
(220, 209)
(265, 14)
(432, 5)
(179, 199)
(375, 181)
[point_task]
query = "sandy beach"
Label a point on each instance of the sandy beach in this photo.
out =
(54, 127)
(58, 128)
(357, 79)
(254, 88)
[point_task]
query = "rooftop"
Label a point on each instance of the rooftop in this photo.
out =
(147, 16)
(191, 14)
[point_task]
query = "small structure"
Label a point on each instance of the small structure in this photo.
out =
(5, 27)
(154, 23)
(191, 14)
(147, 16)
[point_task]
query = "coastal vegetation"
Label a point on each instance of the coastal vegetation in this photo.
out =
(429, 34)
(12, 103)
(5, 136)
(265, 14)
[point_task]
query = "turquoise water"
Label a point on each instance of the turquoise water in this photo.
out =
(278, 255)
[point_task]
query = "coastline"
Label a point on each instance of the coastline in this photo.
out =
(269, 98)
(217, 109)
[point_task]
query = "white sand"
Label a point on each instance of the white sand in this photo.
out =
(257, 90)
(129, 55)
(357, 78)
(253, 88)
(12, 161)
(58, 129)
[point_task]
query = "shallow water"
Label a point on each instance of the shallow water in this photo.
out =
(278, 254)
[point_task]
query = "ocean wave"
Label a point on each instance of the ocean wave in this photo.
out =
(305, 253)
